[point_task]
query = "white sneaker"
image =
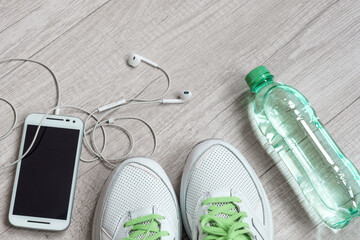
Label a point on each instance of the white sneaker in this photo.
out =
(221, 197)
(137, 202)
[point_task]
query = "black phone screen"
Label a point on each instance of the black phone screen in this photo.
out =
(46, 173)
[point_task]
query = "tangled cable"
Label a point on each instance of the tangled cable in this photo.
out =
(101, 122)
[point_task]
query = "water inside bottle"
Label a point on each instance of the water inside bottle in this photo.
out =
(330, 184)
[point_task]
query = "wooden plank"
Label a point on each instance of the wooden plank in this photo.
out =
(322, 60)
(27, 28)
(12, 12)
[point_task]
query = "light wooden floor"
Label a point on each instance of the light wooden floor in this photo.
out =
(207, 47)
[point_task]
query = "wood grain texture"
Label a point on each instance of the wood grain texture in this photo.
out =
(206, 46)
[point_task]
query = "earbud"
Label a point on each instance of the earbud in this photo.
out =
(184, 96)
(134, 60)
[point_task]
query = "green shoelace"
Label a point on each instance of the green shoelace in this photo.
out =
(224, 221)
(146, 227)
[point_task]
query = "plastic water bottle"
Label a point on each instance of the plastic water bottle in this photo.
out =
(329, 180)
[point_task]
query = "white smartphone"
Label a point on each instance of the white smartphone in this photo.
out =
(45, 179)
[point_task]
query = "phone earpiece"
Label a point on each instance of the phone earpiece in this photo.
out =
(135, 59)
(184, 96)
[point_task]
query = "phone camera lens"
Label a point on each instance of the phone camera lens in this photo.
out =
(74, 121)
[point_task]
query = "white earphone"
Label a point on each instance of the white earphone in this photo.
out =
(104, 120)
(134, 60)
(183, 97)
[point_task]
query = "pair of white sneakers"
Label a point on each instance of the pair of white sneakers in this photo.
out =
(221, 198)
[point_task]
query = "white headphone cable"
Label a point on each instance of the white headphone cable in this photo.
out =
(136, 99)
(160, 97)
(129, 102)
(57, 85)
(100, 122)
(15, 119)
(105, 119)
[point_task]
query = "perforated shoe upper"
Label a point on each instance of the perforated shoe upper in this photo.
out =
(216, 169)
(137, 188)
(219, 169)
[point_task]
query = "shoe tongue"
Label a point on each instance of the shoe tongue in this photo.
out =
(220, 193)
(141, 212)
